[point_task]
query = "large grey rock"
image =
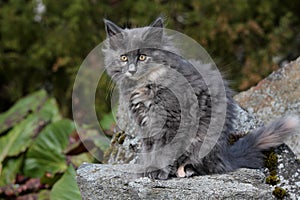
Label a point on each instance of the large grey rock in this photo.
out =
(99, 181)
(275, 96)
(113, 182)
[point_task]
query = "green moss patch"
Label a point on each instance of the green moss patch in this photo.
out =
(279, 192)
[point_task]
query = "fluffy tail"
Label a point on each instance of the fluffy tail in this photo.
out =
(248, 151)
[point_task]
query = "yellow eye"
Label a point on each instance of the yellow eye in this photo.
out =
(123, 58)
(142, 57)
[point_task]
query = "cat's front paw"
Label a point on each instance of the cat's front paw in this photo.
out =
(185, 171)
(140, 103)
(154, 173)
(142, 95)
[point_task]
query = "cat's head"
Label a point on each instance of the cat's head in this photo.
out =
(126, 51)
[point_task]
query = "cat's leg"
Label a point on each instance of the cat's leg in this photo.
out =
(155, 173)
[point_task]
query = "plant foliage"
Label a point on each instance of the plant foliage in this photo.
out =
(39, 150)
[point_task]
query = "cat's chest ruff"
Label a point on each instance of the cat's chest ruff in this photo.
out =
(156, 74)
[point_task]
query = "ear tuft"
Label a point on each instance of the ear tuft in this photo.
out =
(158, 23)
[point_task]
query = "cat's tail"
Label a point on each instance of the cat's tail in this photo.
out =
(248, 151)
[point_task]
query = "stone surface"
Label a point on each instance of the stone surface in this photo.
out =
(98, 181)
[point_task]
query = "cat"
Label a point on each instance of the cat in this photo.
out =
(153, 81)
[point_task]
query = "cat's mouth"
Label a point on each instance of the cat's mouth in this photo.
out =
(134, 76)
(128, 74)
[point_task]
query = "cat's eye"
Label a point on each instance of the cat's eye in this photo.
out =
(142, 57)
(123, 58)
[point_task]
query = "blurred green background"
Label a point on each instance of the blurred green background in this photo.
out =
(43, 43)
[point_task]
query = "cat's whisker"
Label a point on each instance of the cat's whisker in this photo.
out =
(108, 91)
(111, 85)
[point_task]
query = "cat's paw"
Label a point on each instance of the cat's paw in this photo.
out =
(180, 172)
(140, 102)
(142, 95)
(154, 173)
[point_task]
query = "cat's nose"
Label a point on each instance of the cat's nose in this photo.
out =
(132, 68)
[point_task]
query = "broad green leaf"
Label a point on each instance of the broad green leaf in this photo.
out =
(10, 169)
(66, 188)
(18, 139)
(21, 109)
(51, 110)
(45, 154)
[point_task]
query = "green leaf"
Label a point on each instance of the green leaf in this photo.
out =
(45, 154)
(21, 109)
(21, 136)
(10, 169)
(107, 121)
(66, 188)
(51, 110)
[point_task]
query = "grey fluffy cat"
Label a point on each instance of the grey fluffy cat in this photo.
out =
(144, 64)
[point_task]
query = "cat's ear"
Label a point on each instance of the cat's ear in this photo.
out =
(158, 23)
(114, 34)
(111, 28)
(154, 34)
